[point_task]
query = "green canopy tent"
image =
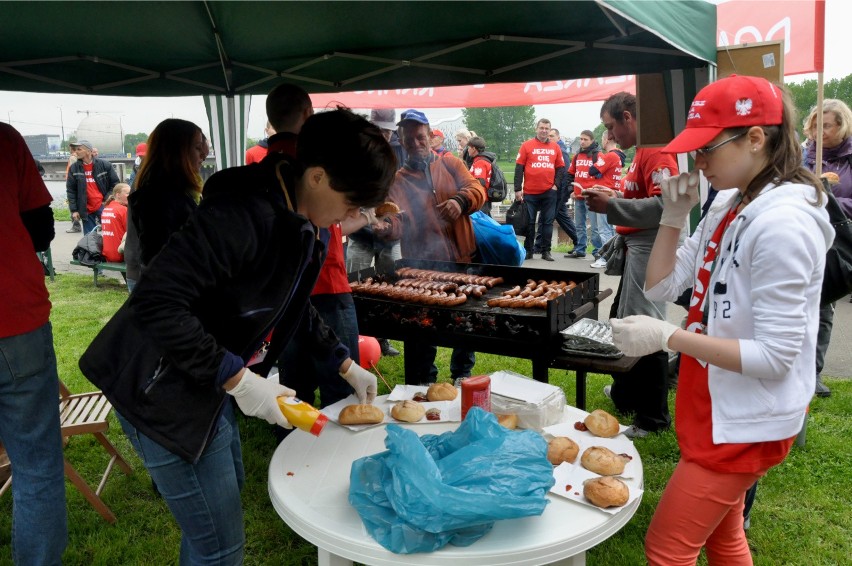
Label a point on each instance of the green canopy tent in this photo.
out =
(232, 48)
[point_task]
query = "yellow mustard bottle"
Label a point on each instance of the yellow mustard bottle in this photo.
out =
(302, 415)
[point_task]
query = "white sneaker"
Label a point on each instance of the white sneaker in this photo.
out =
(599, 263)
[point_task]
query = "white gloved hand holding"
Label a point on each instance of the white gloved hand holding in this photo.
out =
(370, 215)
(362, 381)
(680, 195)
(257, 397)
(640, 335)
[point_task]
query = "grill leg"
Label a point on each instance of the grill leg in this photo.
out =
(580, 385)
(539, 367)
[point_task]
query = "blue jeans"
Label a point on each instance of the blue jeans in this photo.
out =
(203, 497)
(92, 220)
(544, 204)
(420, 366)
(602, 231)
(580, 213)
(29, 429)
(301, 371)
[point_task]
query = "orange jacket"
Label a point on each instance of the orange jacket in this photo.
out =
(421, 231)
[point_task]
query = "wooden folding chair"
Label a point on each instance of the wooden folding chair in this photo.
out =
(87, 413)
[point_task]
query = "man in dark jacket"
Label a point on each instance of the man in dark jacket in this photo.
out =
(90, 181)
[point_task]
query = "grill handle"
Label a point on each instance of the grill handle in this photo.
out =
(586, 308)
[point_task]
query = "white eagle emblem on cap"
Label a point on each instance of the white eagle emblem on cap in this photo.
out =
(743, 106)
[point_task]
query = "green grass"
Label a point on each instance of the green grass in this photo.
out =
(801, 515)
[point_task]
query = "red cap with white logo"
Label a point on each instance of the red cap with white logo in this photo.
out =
(732, 102)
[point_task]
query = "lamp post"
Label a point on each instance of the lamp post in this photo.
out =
(62, 123)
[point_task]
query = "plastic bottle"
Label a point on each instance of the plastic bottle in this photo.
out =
(476, 392)
(302, 415)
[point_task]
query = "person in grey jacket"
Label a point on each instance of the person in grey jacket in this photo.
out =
(90, 180)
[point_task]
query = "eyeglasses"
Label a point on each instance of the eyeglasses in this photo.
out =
(705, 151)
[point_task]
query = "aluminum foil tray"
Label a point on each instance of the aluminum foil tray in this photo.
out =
(592, 338)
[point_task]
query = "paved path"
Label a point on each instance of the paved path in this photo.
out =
(838, 360)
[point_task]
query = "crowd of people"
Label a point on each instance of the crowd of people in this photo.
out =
(225, 321)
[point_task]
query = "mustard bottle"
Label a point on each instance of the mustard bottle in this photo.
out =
(302, 415)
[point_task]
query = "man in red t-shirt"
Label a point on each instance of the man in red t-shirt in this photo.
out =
(481, 167)
(114, 223)
(539, 170)
(256, 153)
(89, 181)
(636, 215)
(29, 384)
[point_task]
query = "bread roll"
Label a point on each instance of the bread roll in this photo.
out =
(360, 414)
(831, 177)
(441, 392)
(509, 421)
(603, 461)
(600, 423)
(606, 492)
(386, 209)
(562, 449)
(408, 411)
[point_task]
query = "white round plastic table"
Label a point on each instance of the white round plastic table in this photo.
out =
(309, 488)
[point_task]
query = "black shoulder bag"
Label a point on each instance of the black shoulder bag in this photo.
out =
(837, 281)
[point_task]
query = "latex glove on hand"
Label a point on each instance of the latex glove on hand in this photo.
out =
(362, 381)
(257, 397)
(680, 195)
(640, 335)
(370, 215)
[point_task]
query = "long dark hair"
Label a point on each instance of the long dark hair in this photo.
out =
(785, 154)
(171, 154)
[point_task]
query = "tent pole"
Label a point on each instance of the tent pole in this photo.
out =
(818, 117)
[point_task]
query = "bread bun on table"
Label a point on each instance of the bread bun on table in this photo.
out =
(603, 461)
(386, 209)
(606, 492)
(408, 411)
(508, 421)
(600, 423)
(562, 449)
(360, 414)
(441, 392)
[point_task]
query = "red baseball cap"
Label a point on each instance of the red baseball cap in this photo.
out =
(438, 134)
(141, 149)
(732, 102)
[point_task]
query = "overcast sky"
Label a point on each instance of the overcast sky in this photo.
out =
(37, 113)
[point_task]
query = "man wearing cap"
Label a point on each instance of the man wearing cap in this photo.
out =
(90, 180)
(539, 171)
(365, 249)
(141, 150)
(636, 215)
(438, 143)
(437, 195)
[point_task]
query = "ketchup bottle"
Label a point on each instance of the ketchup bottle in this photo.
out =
(476, 392)
(302, 415)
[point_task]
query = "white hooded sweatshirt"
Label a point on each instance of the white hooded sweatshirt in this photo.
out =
(764, 290)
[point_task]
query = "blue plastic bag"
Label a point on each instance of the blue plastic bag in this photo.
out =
(496, 243)
(425, 492)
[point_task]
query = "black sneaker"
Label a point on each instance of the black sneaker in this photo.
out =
(529, 255)
(546, 256)
(575, 254)
(73, 228)
(821, 389)
(387, 349)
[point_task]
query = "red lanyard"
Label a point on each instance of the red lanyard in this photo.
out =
(695, 319)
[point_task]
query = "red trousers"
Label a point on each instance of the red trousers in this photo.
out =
(700, 507)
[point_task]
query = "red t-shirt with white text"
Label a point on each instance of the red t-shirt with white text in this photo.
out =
(481, 169)
(649, 168)
(94, 198)
(113, 227)
(540, 161)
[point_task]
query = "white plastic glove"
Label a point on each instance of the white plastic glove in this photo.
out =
(640, 335)
(362, 381)
(256, 397)
(680, 195)
(370, 215)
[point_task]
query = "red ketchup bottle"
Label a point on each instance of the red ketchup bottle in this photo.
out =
(476, 392)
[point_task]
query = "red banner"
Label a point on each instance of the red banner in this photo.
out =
(800, 23)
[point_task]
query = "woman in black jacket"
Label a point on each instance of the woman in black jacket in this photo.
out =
(222, 298)
(167, 190)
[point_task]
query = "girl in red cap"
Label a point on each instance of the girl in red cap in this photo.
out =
(747, 352)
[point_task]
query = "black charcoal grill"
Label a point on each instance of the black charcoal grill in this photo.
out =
(522, 333)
